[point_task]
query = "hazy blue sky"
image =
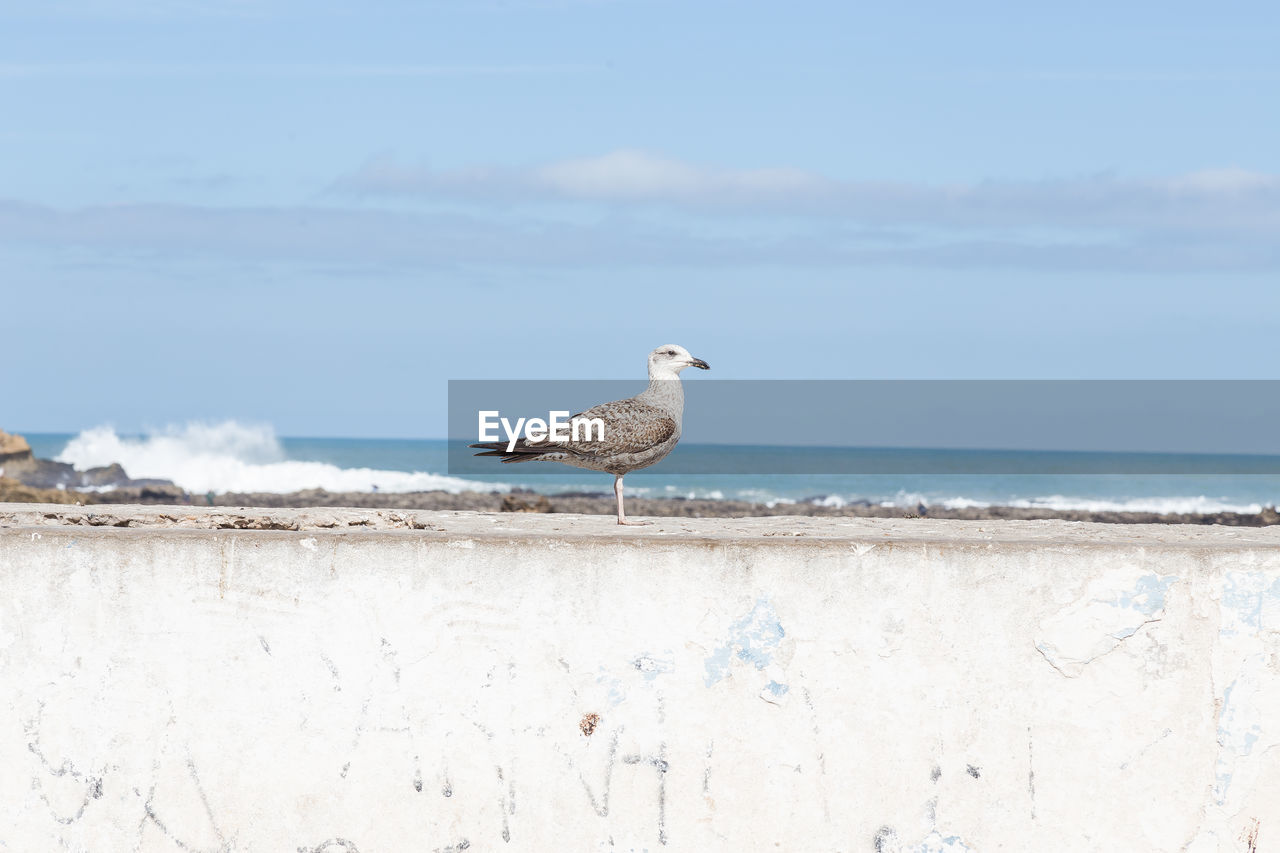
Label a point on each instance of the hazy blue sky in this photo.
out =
(314, 213)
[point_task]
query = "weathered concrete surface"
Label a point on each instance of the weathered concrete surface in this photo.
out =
(369, 683)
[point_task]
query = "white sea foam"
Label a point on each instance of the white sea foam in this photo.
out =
(762, 496)
(683, 492)
(235, 457)
(1199, 504)
(1162, 505)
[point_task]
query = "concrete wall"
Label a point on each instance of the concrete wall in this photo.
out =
(378, 682)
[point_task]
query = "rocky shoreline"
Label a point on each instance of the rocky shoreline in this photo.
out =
(26, 479)
(603, 504)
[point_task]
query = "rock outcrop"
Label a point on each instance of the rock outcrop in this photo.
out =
(13, 448)
(43, 473)
(11, 491)
(31, 479)
(525, 502)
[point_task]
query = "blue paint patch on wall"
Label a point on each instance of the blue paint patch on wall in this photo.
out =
(651, 666)
(617, 692)
(777, 689)
(1148, 594)
(1246, 596)
(752, 639)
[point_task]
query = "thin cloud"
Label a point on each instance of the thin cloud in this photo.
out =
(625, 175)
(281, 70)
(264, 8)
(637, 175)
(149, 8)
(316, 236)
(1103, 75)
(1212, 200)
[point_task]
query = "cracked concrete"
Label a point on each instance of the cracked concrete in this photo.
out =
(345, 680)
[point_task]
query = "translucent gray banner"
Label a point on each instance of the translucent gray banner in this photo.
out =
(915, 426)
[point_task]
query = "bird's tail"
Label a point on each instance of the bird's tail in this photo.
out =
(521, 452)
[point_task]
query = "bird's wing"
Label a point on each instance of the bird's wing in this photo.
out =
(630, 426)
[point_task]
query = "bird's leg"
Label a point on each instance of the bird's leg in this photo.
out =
(622, 516)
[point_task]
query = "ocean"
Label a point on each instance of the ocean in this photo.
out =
(237, 457)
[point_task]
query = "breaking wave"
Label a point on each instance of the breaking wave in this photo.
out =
(234, 457)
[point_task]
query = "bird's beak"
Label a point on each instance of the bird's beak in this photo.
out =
(697, 362)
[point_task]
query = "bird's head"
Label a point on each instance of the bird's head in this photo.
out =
(672, 358)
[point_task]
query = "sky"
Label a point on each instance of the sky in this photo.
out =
(314, 214)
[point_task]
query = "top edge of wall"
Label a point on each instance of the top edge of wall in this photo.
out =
(120, 519)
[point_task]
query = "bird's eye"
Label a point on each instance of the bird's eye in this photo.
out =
(671, 352)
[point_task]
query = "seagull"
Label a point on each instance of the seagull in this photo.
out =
(638, 431)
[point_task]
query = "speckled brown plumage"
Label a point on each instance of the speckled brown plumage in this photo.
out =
(636, 435)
